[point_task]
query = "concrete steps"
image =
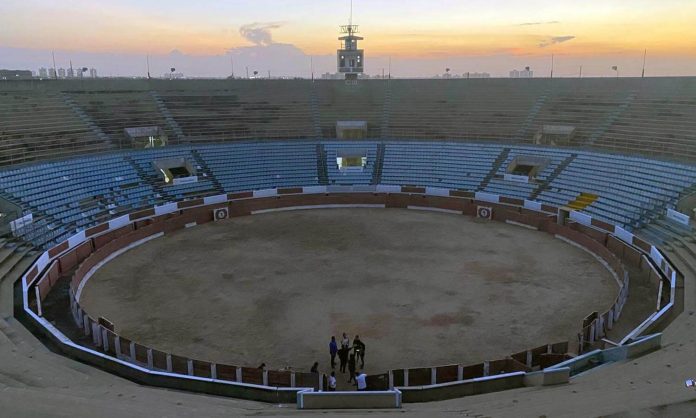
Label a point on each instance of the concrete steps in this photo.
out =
(582, 201)
(10, 270)
(494, 169)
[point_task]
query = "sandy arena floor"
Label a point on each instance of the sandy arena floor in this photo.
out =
(420, 288)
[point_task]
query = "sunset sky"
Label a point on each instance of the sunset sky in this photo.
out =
(422, 38)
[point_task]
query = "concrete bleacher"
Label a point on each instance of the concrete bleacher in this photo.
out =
(36, 126)
(448, 165)
(586, 105)
(75, 194)
(114, 111)
(337, 101)
(68, 196)
(499, 185)
(630, 189)
(244, 110)
(142, 160)
(60, 118)
(460, 109)
(262, 165)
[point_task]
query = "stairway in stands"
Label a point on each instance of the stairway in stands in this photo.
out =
(379, 164)
(314, 109)
(77, 110)
(612, 117)
(555, 173)
(386, 112)
(502, 157)
(322, 168)
(523, 132)
(152, 179)
(15, 258)
(582, 201)
(166, 114)
(207, 172)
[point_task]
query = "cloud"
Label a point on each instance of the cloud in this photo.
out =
(259, 33)
(550, 22)
(555, 40)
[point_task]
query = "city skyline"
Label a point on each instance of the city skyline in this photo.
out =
(206, 38)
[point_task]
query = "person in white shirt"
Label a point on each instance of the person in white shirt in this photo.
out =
(361, 380)
(332, 382)
(345, 342)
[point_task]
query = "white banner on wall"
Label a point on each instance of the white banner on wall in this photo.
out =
(678, 217)
(265, 192)
(623, 234)
(581, 218)
(530, 204)
(185, 180)
(166, 208)
(516, 178)
(436, 191)
(487, 197)
(656, 256)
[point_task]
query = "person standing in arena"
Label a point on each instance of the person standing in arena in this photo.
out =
(343, 358)
(361, 381)
(351, 368)
(345, 342)
(315, 367)
(332, 382)
(333, 349)
(359, 348)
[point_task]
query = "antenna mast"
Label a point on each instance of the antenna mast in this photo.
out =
(642, 74)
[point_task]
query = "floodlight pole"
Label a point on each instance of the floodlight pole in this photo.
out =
(551, 65)
(642, 74)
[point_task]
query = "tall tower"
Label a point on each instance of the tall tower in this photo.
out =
(351, 60)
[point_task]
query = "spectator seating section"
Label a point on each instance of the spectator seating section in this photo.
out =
(262, 165)
(337, 101)
(68, 196)
(36, 126)
(115, 111)
(246, 110)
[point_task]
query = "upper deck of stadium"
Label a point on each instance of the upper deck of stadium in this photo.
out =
(49, 119)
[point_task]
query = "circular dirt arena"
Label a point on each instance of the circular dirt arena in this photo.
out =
(420, 288)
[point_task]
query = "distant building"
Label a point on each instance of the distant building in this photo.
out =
(71, 73)
(61, 73)
(477, 75)
(526, 73)
(15, 75)
(173, 76)
(93, 73)
(51, 73)
(43, 73)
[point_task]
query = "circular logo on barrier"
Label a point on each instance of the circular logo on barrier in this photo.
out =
(221, 214)
(484, 212)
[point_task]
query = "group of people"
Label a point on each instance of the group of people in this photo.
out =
(348, 359)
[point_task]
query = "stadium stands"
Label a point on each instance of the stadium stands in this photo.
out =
(244, 110)
(115, 111)
(501, 118)
(71, 195)
(35, 126)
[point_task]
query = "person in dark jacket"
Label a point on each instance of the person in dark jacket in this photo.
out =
(315, 367)
(351, 368)
(359, 348)
(333, 350)
(343, 358)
